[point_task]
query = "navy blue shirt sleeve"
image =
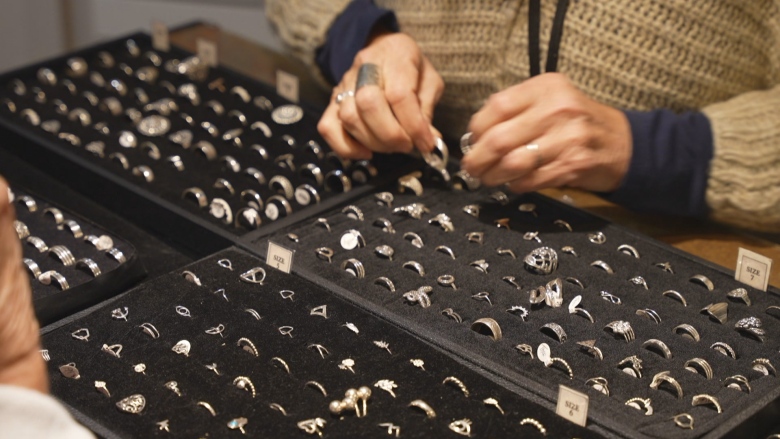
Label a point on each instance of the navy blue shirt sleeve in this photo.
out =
(669, 164)
(348, 34)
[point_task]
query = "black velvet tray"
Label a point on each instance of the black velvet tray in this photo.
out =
(502, 359)
(159, 205)
(155, 301)
(84, 289)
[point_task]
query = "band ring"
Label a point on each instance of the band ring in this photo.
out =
(368, 74)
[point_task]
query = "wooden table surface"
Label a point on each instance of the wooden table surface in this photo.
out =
(711, 241)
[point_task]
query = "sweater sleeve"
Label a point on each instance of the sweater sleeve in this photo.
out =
(303, 26)
(26, 413)
(669, 163)
(744, 179)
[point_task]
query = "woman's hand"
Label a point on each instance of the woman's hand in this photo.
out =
(20, 362)
(395, 115)
(545, 133)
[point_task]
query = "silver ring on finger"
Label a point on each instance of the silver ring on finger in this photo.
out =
(535, 148)
(345, 94)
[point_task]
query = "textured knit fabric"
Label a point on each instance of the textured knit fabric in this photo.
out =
(720, 56)
(29, 414)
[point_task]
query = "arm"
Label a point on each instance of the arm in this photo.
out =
(669, 164)
(744, 180)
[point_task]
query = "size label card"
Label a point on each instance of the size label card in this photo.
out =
(572, 405)
(753, 269)
(279, 257)
(207, 51)
(160, 40)
(287, 85)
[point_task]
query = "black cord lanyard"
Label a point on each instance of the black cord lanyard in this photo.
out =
(534, 17)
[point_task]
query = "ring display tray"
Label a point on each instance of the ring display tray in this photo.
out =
(73, 264)
(262, 356)
(200, 154)
(619, 278)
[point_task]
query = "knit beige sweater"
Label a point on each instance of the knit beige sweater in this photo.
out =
(718, 56)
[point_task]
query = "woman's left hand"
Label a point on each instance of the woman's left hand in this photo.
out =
(545, 133)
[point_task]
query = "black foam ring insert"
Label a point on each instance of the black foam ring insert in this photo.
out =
(501, 357)
(198, 171)
(155, 302)
(50, 300)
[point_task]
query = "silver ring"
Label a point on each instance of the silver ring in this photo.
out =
(384, 199)
(121, 159)
(556, 330)
(352, 239)
(724, 349)
(599, 384)
(535, 423)
(717, 311)
(222, 183)
(751, 326)
(687, 331)
(484, 296)
(675, 295)
(414, 238)
(480, 265)
(410, 182)
(274, 206)
(32, 267)
(444, 221)
(420, 296)
(422, 405)
(325, 253)
(603, 265)
(493, 328)
(641, 404)
(150, 330)
(345, 94)
(354, 267)
(38, 243)
(385, 251)
(385, 225)
(702, 280)
(738, 382)
(658, 345)
(449, 312)
(590, 346)
(254, 275)
(543, 260)
(699, 366)
(74, 228)
(415, 266)
(386, 282)
(414, 210)
(597, 237)
(22, 231)
(337, 181)
(629, 250)
(631, 366)
(664, 377)
(739, 294)
(764, 366)
(704, 399)
(90, 265)
(28, 202)
(650, 314)
(368, 74)
(198, 195)
(46, 277)
(117, 255)
(145, 172)
(623, 328)
(56, 214)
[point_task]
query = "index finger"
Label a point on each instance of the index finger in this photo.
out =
(401, 83)
(503, 106)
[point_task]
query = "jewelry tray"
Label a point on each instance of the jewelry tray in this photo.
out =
(155, 302)
(500, 359)
(159, 205)
(473, 358)
(50, 302)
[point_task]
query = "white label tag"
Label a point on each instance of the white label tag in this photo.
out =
(279, 257)
(753, 269)
(287, 85)
(160, 40)
(572, 405)
(543, 354)
(207, 52)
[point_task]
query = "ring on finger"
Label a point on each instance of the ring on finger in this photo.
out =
(345, 94)
(535, 148)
